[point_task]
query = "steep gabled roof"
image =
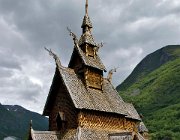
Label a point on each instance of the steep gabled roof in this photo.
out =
(142, 127)
(86, 22)
(100, 134)
(87, 38)
(44, 135)
(94, 62)
(82, 97)
(121, 136)
(132, 113)
(83, 134)
(140, 137)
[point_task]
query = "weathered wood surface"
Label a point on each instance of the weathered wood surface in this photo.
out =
(110, 122)
(63, 103)
(93, 79)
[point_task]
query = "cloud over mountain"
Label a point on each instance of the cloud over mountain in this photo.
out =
(129, 29)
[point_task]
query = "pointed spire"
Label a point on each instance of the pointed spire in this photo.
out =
(86, 7)
(86, 26)
(86, 21)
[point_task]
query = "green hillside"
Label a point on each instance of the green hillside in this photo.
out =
(155, 92)
(150, 63)
(14, 121)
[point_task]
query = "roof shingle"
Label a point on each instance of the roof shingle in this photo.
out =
(45, 135)
(142, 127)
(107, 100)
(86, 22)
(84, 134)
(94, 62)
(87, 38)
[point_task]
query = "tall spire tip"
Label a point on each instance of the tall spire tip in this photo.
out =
(86, 7)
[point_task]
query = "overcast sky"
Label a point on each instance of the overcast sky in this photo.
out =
(130, 29)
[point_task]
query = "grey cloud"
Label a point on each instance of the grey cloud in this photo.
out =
(8, 61)
(43, 23)
(19, 87)
(4, 73)
(131, 29)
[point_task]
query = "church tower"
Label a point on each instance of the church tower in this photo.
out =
(82, 104)
(85, 59)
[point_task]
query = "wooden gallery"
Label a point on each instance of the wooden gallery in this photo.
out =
(84, 105)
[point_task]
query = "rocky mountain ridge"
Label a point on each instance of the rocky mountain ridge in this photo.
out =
(14, 122)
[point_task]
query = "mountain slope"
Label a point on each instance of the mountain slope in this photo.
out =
(155, 92)
(14, 121)
(150, 63)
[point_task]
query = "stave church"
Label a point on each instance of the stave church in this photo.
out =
(82, 104)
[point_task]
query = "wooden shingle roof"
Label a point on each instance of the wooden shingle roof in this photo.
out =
(96, 134)
(131, 111)
(87, 38)
(44, 135)
(99, 134)
(94, 62)
(83, 134)
(140, 137)
(86, 22)
(107, 100)
(142, 127)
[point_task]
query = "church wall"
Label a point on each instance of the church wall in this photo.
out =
(90, 51)
(63, 103)
(131, 125)
(106, 121)
(93, 78)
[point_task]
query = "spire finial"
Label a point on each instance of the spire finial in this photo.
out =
(86, 7)
(56, 58)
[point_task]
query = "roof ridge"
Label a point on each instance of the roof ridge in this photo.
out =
(47, 132)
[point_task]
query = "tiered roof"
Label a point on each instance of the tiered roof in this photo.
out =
(142, 128)
(84, 134)
(87, 38)
(86, 22)
(94, 62)
(107, 100)
(44, 135)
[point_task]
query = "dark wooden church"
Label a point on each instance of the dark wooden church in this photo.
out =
(82, 104)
